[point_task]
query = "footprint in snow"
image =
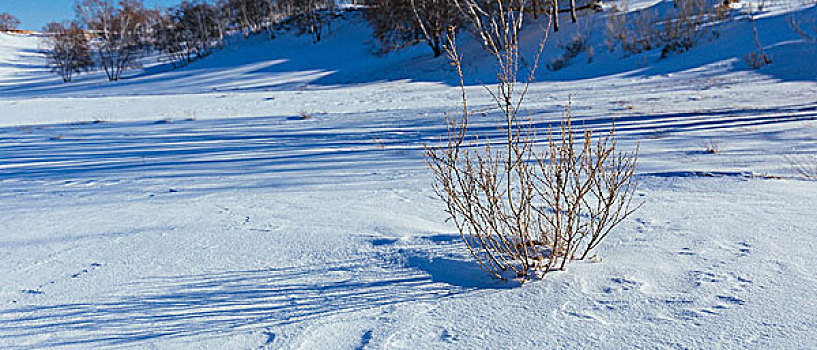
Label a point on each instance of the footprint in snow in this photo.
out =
(744, 249)
(269, 340)
(580, 316)
(731, 300)
(700, 278)
(447, 337)
(729, 286)
(724, 302)
(621, 284)
(365, 340)
(39, 291)
(94, 266)
(687, 252)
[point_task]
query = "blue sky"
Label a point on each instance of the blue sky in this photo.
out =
(35, 13)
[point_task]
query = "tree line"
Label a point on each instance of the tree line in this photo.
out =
(399, 23)
(114, 35)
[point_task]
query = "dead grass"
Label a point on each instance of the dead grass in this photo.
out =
(675, 32)
(804, 165)
(711, 146)
(304, 115)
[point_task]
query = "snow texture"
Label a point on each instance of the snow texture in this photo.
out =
(197, 209)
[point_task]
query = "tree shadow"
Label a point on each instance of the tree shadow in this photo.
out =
(273, 146)
(207, 304)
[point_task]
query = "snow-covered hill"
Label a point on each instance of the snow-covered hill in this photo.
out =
(196, 208)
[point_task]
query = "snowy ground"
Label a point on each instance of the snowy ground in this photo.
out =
(195, 209)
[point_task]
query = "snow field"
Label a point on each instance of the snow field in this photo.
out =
(196, 209)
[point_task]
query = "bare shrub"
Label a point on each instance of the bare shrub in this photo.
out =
(757, 58)
(521, 211)
(805, 26)
(690, 22)
(587, 190)
(571, 50)
(678, 30)
(304, 115)
(634, 32)
(711, 146)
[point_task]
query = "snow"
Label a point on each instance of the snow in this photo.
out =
(194, 208)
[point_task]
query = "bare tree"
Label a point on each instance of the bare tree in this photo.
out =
(397, 23)
(119, 32)
(8, 21)
(434, 18)
(67, 49)
(393, 24)
(252, 16)
(248, 16)
(169, 40)
(554, 12)
(312, 16)
(189, 31)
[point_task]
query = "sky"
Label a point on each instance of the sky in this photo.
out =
(33, 14)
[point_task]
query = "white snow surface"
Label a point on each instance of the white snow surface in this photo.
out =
(196, 209)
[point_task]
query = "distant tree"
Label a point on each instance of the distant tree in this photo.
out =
(397, 23)
(435, 18)
(8, 21)
(393, 24)
(253, 16)
(187, 32)
(68, 50)
(120, 30)
(169, 40)
(248, 16)
(310, 16)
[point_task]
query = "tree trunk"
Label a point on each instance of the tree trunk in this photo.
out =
(573, 10)
(535, 9)
(555, 11)
(436, 47)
